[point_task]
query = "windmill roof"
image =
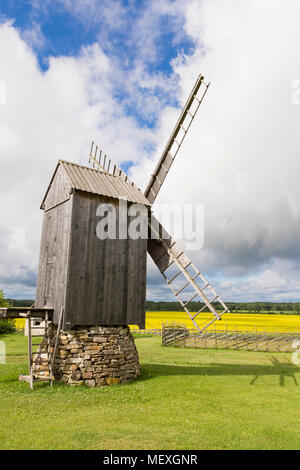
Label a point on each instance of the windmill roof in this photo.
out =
(93, 181)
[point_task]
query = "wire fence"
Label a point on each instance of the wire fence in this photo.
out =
(179, 336)
(149, 331)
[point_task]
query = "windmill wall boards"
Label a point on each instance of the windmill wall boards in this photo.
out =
(90, 288)
(95, 281)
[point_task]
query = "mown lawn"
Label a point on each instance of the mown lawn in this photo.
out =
(185, 399)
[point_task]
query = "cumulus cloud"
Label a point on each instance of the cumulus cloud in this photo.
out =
(33, 36)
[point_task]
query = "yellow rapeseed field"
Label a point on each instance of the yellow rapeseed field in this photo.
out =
(231, 321)
(20, 323)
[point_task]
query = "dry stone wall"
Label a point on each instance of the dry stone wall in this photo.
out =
(94, 356)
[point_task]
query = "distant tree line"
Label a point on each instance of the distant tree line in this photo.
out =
(234, 307)
(20, 303)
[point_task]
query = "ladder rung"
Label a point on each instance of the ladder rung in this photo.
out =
(164, 168)
(192, 298)
(41, 352)
(185, 285)
(159, 182)
(46, 379)
(168, 266)
(180, 253)
(174, 277)
(196, 314)
(199, 311)
(206, 285)
(224, 311)
(182, 288)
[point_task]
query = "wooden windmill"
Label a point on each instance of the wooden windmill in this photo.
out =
(89, 289)
(181, 275)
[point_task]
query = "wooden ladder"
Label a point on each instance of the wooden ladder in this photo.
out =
(33, 356)
(180, 274)
(170, 259)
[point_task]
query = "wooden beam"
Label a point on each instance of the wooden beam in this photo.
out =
(20, 312)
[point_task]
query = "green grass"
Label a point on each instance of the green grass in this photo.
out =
(185, 399)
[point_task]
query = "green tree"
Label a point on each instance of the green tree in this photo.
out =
(3, 302)
(6, 326)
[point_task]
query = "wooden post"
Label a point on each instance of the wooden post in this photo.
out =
(30, 350)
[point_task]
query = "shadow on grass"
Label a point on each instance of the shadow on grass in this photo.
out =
(282, 369)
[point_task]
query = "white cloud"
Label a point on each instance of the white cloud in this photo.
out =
(34, 36)
(279, 281)
(113, 14)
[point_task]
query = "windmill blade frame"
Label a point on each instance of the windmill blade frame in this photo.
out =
(166, 254)
(176, 139)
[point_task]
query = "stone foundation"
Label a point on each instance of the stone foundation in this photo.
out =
(94, 356)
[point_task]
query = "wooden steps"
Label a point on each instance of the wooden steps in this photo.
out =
(27, 378)
(34, 356)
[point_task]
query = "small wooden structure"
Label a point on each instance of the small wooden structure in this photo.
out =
(33, 314)
(96, 282)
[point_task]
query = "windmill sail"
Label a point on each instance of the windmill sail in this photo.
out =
(182, 276)
(173, 263)
(176, 139)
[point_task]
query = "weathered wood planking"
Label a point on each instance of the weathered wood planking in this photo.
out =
(20, 312)
(54, 255)
(97, 282)
(106, 278)
(58, 191)
(159, 253)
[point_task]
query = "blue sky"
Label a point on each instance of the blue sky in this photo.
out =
(127, 31)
